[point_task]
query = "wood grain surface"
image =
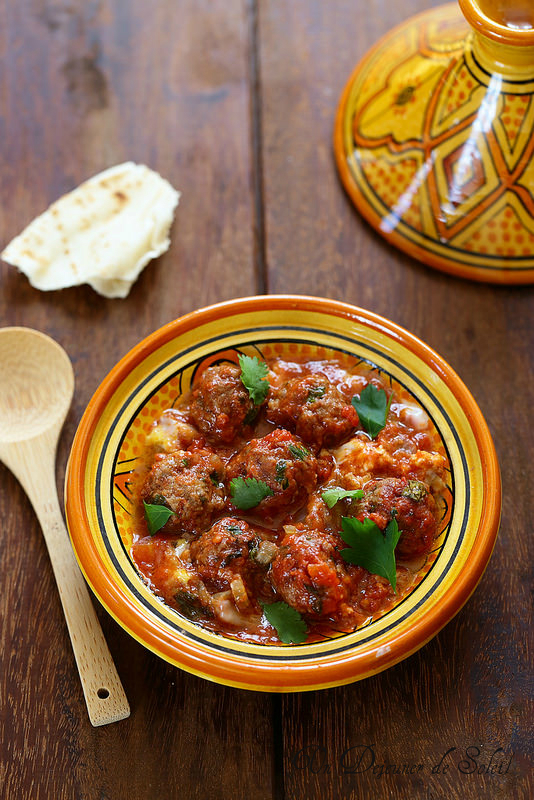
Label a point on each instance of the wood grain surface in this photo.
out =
(233, 101)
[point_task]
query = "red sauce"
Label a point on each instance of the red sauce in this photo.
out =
(218, 565)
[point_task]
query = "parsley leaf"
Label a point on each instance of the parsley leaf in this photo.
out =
(331, 496)
(289, 624)
(251, 415)
(248, 492)
(315, 393)
(235, 529)
(156, 516)
(372, 406)
(253, 374)
(280, 474)
(370, 548)
(299, 452)
(415, 490)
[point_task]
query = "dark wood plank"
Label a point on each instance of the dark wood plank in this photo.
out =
(85, 86)
(472, 685)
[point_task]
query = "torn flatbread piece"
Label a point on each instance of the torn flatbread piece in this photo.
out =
(103, 233)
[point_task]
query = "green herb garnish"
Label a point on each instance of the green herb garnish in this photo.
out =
(248, 492)
(331, 496)
(299, 452)
(214, 478)
(289, 624)
(190, 606)
(156, 516)
(235, 529)
(372, 406)
(253, 374)
(315, 393)
(370, 548)
(415, 490)
(251, 415)
(280, 474)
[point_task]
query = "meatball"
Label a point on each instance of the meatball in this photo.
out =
(282, 462)
(373, 591)
(220, 403)
(189, 482)
(318, 515)
(412, 505)
(314, 409)
(310, 574)
(231, 549)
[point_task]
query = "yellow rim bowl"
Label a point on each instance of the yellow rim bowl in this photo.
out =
(157, 370)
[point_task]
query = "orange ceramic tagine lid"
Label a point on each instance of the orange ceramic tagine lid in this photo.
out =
(434, 139)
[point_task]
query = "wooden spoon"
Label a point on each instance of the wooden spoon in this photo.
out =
(36, 387)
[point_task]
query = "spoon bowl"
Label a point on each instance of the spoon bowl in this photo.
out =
(36, 388)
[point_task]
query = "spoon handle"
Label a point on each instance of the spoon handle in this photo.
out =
(102, 688)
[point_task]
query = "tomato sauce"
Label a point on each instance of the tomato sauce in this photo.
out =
(221, 557)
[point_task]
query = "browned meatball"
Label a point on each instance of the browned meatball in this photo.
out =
(230, 549)
(319, 516)
(310, 574)
(282, 462)
(412, 505)
(189, 482)
(220, 403)
(315, 409)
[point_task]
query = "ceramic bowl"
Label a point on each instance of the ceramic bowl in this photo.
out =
(151, 376)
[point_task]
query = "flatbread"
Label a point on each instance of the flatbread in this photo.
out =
(103, 233)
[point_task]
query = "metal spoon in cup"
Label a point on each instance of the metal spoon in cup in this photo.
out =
(36, 388)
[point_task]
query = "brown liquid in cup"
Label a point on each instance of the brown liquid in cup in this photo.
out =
(515, 14)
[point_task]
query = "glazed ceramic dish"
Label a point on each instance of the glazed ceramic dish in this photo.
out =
(154, 375)
(434, 139)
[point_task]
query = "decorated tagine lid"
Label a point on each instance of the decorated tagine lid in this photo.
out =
(434, 139)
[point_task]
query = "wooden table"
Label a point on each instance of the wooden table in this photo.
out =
(233, 101)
